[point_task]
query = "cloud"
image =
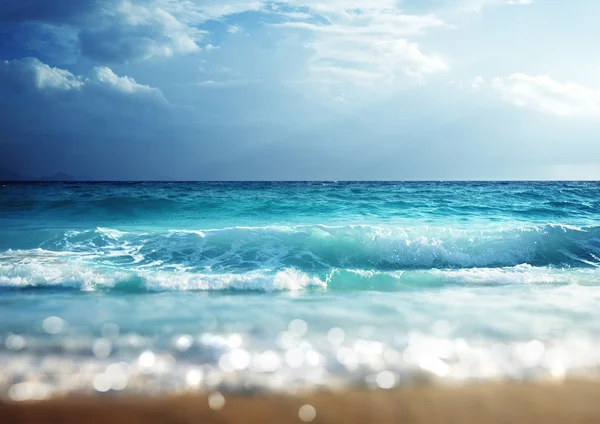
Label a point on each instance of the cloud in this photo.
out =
(29, 74)
(110, 31)
(380, 61)
(366, 36)
(198, 11)
(367, 40)
(58, 101)
(477, 82)
(224, 83)
(105, 77)
(135, 31)
(542, 93)
(477, 5)
(55, 120)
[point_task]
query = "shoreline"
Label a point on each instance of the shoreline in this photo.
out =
(486, 402)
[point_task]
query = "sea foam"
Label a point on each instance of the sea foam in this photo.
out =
(320, 247)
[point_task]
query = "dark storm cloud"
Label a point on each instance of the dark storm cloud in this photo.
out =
(106, 126)
(49, 115)
(44, 28)
(107, 31)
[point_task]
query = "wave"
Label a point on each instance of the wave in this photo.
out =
(397, 280)
(315, 248)
(49, 270)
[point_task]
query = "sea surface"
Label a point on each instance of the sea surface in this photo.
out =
(170, 287)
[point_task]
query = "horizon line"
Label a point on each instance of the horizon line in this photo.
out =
(301, 181)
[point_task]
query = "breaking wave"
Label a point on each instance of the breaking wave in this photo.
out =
(274, 258)
(319, 247)
(63, 273)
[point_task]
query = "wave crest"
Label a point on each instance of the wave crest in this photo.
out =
(48, 270)
(46, 273)
(319, 247)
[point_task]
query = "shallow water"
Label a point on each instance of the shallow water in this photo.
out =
(160, 287)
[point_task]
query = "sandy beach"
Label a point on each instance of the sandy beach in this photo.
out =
(568, 402)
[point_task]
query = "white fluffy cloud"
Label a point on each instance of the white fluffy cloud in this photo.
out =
(106, 77)
(366, 41)
(30, 74)
(542, 93)
(133, 31)
(361, 41)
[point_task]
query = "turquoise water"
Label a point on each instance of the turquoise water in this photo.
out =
(162, 287)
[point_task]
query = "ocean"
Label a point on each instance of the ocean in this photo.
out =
(153, 288)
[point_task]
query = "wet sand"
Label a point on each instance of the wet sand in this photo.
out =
(569, 402)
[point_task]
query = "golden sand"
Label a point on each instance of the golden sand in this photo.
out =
(569, 402)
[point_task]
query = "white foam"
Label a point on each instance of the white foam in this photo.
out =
(76, 274)
(322, 246)
(289, 279)
(523, 274)
(66, 273)
(41, 268)
(520, 274)
(111, 232)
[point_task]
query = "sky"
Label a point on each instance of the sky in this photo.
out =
(300, 89)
